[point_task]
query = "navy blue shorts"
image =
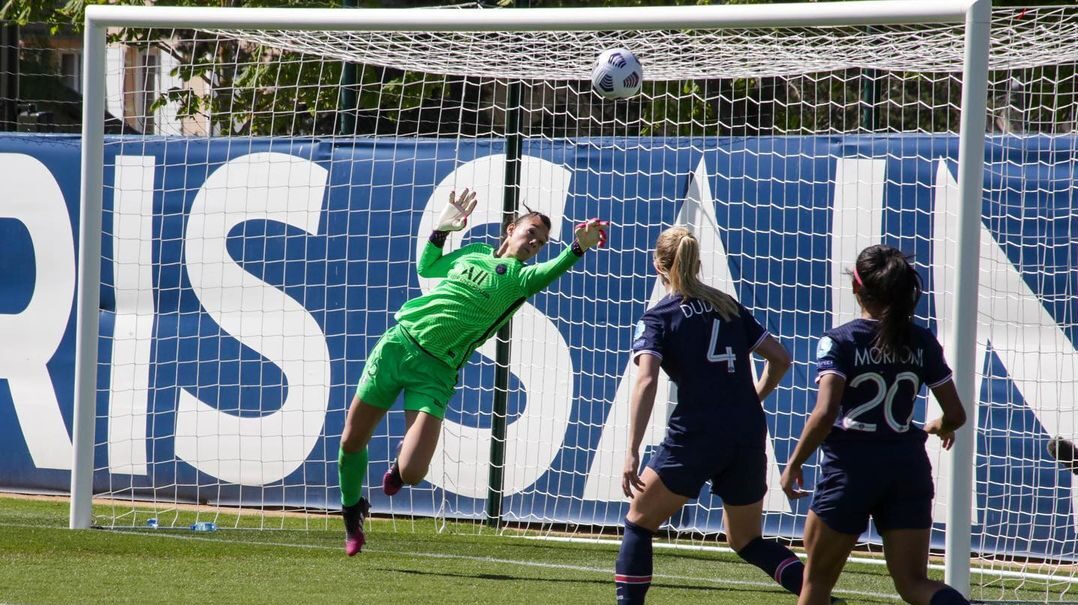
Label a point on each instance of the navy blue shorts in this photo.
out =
(896, 491)
(738, 474)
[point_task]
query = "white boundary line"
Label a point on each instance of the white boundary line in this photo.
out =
(867, 560)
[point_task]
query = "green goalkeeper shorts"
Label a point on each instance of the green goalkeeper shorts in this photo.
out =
(397, 363)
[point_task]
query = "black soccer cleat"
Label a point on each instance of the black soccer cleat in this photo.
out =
(354, 516)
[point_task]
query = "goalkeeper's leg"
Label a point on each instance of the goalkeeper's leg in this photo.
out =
(352, 469)
(427, 391)
(415, 452)
(378, 389)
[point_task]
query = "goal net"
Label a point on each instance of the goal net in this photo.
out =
(267, 191)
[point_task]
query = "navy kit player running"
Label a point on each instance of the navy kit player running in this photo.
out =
(702, 339)
(874, 463)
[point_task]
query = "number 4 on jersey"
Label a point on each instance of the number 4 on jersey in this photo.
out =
(712, 353)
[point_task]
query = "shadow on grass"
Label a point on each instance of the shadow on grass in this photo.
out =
(496, 577)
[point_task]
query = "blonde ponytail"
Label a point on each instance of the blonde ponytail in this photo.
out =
(677, 254)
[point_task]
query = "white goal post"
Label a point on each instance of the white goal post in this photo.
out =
(973, 15)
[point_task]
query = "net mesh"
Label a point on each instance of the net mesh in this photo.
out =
(252, 263)
(1023, 38)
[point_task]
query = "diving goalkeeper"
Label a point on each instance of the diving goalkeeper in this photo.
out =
(435, 335)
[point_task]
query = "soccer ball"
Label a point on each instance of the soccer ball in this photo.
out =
(617, 74)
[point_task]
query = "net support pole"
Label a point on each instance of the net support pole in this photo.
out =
(963, 330)
(870, 99)
(510, 203)
(89, 277)
(349, 97)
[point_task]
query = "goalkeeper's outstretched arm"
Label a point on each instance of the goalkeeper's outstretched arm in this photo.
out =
(454, 217)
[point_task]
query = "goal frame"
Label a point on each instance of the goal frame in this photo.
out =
(975, 15)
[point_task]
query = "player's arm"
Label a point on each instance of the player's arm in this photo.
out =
(641, 403)
(778, 363)
(454, 217)
(818, 426)
(940, 381)
(588, 234)
(954, 415)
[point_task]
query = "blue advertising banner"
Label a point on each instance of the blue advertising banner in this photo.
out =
(245, 282)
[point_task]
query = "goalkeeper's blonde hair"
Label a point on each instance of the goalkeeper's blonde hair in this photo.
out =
(677, 257)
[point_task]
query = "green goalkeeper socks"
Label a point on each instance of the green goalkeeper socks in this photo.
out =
(351, 470)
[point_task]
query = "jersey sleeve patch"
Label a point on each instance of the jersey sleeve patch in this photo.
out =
(826, 355)
(648, 334)
(824, 347)
(638, 333)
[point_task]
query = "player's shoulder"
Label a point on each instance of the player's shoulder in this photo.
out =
(855, 330)
(921, 332)
(664, 307)
(478, 248)
(840, 336)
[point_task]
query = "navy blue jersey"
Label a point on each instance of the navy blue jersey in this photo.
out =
(881, 388)
(708, 359)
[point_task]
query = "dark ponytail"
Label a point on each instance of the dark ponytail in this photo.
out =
(517, 220)
(890, 288)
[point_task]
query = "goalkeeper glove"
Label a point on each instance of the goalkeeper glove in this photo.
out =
(455, 215)
(591, 232)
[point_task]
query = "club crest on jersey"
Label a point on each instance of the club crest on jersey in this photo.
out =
(825, 346)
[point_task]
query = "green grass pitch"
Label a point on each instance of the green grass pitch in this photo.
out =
(42, 562)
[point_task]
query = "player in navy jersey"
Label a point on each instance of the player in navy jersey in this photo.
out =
(874, 463)
(702, 339)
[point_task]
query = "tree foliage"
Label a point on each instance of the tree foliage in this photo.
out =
(261, 91)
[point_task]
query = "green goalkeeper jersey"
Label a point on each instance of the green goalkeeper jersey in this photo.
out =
(479, 294)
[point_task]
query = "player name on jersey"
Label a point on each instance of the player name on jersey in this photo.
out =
(874, 356)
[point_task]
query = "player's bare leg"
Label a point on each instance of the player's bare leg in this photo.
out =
(417, 449)
(742, 523)
(743, 532)
(649, 508)
(352, 462)
(391, 480)
(906, 551)
(655, 503)
(359, 425)
(828, 551)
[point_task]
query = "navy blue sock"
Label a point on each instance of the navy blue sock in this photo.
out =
(948, 596)
(632, 572)
(777, 561)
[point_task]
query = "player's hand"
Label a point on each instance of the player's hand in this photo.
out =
(591, 232)
(455, 215)
(792, 481)
(935, 427)
(629, 478)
